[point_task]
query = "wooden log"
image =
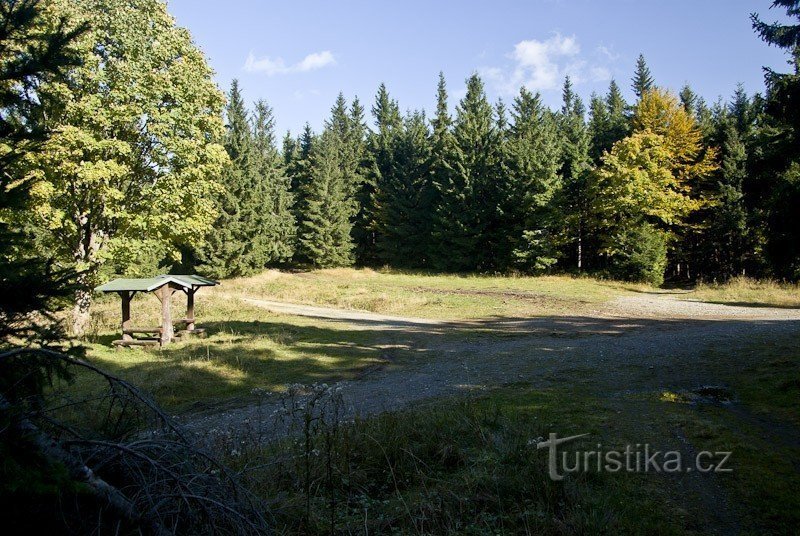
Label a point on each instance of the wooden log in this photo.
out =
(196, 332)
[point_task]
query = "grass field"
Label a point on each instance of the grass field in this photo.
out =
(247, 348)
(457, 297)
(251, 348)
(466, 465)
(452, 297)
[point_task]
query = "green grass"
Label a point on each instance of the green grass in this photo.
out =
(453, 297)
(251, 348)
(761, 428)
(247, 348)
(457, 467)
(468, 466)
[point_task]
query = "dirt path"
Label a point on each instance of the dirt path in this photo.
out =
(342, 314)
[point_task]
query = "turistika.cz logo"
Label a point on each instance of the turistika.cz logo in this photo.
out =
(638, 458)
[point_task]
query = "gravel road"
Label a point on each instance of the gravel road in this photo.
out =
(645, 342)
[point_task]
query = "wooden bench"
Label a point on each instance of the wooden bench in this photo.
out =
(145, 341)
(131, 331)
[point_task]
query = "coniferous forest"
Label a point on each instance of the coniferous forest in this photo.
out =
(668, 187)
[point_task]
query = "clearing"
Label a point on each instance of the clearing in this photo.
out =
(624, 363)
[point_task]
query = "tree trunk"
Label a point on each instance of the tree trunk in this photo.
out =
(85, 257)
(80, 312)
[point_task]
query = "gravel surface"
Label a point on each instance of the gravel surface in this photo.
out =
(632, 343)
(631, 346)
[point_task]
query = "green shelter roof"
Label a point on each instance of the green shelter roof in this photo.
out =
(149, 284)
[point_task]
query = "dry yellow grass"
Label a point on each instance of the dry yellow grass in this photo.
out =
(745, 291)
(454, 297)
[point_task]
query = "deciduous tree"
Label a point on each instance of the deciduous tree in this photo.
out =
(134, 156)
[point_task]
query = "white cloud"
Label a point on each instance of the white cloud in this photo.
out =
(542, 65)
(599, 74)
(607, 52)
(273, 66)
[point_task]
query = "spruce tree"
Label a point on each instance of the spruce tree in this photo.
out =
(619, 122)
(779, 161)
(688, 99)
(642, 78)
(279, 228)
(403, 202)
(233, 246)
(475, 137)
(379, 170)
(500, 239)
(727, 243)
(297, 158)
(359, 167)
(325, 227)
(289, 149)
(464, 167)
(742, 110)
(452, 237)
(31, 288)
(575, 197)
(533, 165)
(598, 127)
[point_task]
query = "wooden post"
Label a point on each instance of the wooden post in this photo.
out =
(190, 308)
(165, 294)
(126, 314)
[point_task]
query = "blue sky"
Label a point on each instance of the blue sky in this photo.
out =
(297, 55)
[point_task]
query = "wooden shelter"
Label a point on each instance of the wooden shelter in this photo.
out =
(163, 286)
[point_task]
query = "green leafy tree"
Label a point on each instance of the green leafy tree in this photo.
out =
(648, 186)
(134, 157)
(639, 199)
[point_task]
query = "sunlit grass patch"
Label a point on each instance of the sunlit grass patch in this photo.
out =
(749, 292)
(247, 348)
(431, 295)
